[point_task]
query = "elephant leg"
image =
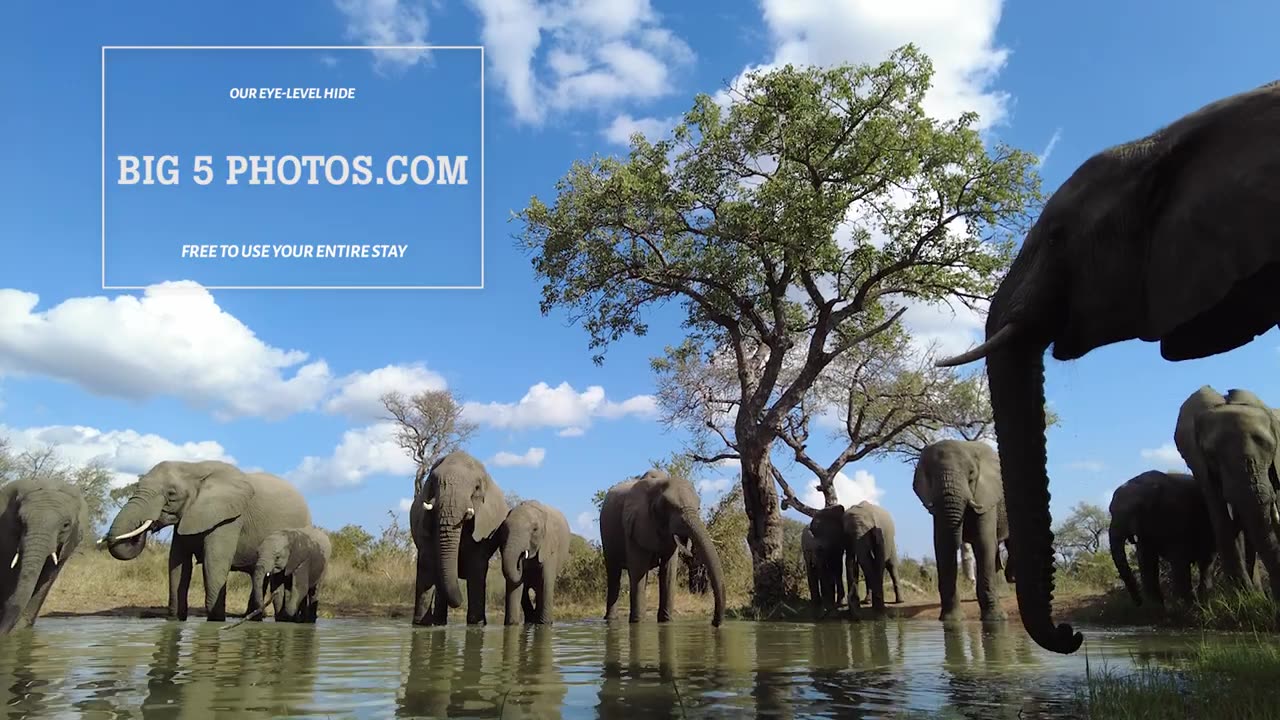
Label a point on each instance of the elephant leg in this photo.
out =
(985, 549)
(638, 572)
(1205, 580)
(476, 598)
(945, 540)
(815, 596)
(851, 570)
(1231, 555)
(613, 589)
(1250, 556)
(513, 612)
(893, 577)
(547, 594)
(277, 598)
(423, 590)
(179, 579)
(666, 587)
(1180, 577)
(219, 549)
(1149, 568)
(298, 585)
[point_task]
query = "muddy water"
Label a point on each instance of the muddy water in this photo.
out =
(119, 668)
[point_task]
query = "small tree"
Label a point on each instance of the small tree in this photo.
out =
(1082, 533)
(791, 226)
(429, 426)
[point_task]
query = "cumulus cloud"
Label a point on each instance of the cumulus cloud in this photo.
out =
(587, 524)
(558, 407)
(173, 340)
(363, 452)
(125, 453)
(572, 432)
(532, 457)
(594, 53)
(624, 126)
(358, 394)
(958, 36)
(849, 490)
(404, 504)
(1167, 456)
(387, 22)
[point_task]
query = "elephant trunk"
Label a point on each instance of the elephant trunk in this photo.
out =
(33, 552)
(448, 536)
(1121, 559)
(951, 507)
(707, 551)
(1015, 375)
(127, 536)
(1254, 504)
(513, 556)
(260, 573)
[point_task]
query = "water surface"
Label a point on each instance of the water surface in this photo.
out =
(122, 668)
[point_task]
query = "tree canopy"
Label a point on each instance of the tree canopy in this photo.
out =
(793, 225)
(429, 425)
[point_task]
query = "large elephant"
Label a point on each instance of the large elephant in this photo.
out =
(222, 515)
(958, 482)
(1168, 238)
(41, 524)
(873, 549)
(534, 543)
(1164, 515)
(643, 521)
(454, 522)
(822, 547)
(292, 563)
(1232, 445)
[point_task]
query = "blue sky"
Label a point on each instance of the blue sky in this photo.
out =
(288, 381)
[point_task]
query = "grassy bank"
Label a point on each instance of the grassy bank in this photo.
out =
(1215, 681)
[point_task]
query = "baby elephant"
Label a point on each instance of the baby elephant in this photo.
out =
(292, 562)
(534, 541)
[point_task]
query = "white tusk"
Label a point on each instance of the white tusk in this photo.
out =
(141, 529)
(1275, 514)
(471, 512)
(55, 557)
(14, 563)
(1230, 514)
(995, 342)
(524, 554)
(427, 505)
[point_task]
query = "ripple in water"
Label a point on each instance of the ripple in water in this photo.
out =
(118, 668)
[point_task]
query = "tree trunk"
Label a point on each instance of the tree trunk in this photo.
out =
(764, 531)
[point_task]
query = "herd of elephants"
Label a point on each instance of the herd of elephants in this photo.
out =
(1170, 238)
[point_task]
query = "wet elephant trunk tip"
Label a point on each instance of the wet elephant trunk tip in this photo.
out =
(1016, 379)
(138, 511)
(705, 548)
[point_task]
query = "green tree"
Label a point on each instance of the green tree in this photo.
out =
(429, 425)
(1082, 533)
(791, 226)
(92, 479)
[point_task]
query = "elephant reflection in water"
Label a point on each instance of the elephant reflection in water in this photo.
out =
(977, 658)
(536, 688)
(22, 691)
(445, 681)
(646, 685)
(254, 670)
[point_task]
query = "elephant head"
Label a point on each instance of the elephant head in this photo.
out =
(1237, 444)
(1167, 238)
(953, 476)
(194, 496)
(278, 553)
(668, 507)
(42, 522)
(1131, 503)
(459, 495)
(526, 534)
(830, 542)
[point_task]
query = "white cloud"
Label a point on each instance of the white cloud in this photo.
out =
(404, 504)
(587, 524)
(1048, 148)
(624, 126)
(532, 457)
(558, 407)
(959, 36)
(387, 22)
(713, 487)
(572, 432)
(1166, 456)
(126, 453)
(359, 394)
(948, 329)
(849, 491)
(597, 53)
(363, 452)
(173, 340)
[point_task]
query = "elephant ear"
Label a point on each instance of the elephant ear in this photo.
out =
(988, 490)
(491, 509)
(920, 483)
(8, 497)
(223, 496)
(299, 549)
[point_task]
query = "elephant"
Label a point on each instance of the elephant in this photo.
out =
(1165, 516)
(1232, 445)
(643, 521)
(534, 543)
(871, 547)
(822, 568)
(41, 523)
(222, 515)
(292, 563)
(959, 483)
(454, 521)
(1167, 238)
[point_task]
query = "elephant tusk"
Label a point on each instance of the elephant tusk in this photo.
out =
(471, 512)
(55, 557)
(14, 563)
(1275, 514)
(141, 529)
(995, 342)
(426, 504)
(1230, 513)
(524, 554)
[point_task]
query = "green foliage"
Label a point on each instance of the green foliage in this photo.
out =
(350, 542)
(92, 479)
(582, 579)
(597, 499)
(1082, 534)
